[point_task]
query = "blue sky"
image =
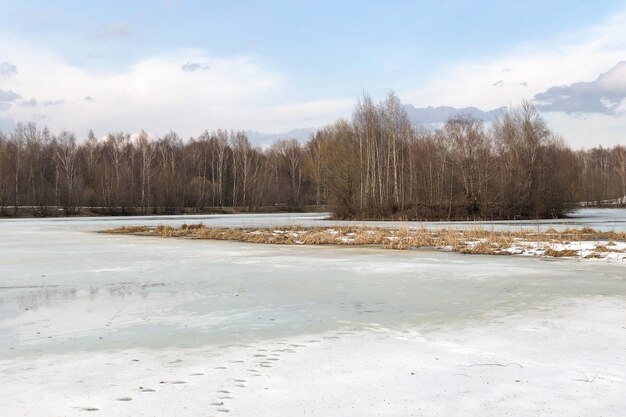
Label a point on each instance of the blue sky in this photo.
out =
(274, 66)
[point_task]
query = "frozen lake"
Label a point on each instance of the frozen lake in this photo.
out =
(127, 325)
(600, 219)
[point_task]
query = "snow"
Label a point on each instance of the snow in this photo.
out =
(608, 251)
(141, 326)
(563, 359)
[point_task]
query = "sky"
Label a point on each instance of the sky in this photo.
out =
(273, 66)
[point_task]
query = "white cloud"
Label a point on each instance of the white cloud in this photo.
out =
(32, 102)
(7, 98)
(527, 70)
(7, 69)
(155, 94)
(194, 66)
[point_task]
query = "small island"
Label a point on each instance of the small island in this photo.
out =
(586, 242)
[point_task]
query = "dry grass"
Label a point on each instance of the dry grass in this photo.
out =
(560, 253)
(129, 230)
(468, 241)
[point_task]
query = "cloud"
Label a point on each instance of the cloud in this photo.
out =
(532, 69)
(154, 94)
(265, 140)
(525, 69)
(52, 103)
(7, 69)
(110, 32)
(89, 98)
(7, 97)
(33, 102)
(604, 95)
(29, 103)
(194, 66)
(435, 116)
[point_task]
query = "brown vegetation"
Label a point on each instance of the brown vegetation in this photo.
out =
(467, 241)
(558, 253)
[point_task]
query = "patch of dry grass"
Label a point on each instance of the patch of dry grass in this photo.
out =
(128, 230)
(468, 241)
(559, 253)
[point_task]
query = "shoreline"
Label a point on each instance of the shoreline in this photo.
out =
(52, 212)
(583, 243)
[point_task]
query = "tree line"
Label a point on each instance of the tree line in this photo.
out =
(376, 165)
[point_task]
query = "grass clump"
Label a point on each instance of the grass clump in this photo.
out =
(560, 253)
(128, 230)
(467, 241)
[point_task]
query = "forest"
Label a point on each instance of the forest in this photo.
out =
(375, 165)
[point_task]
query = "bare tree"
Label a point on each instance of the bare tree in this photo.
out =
(147, 156)
(66, 153)
(469, 149)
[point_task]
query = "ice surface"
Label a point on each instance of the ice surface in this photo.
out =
(600, 219)
(86, 319)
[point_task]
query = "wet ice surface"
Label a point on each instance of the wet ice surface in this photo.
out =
(600, 219)
(138, 311)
